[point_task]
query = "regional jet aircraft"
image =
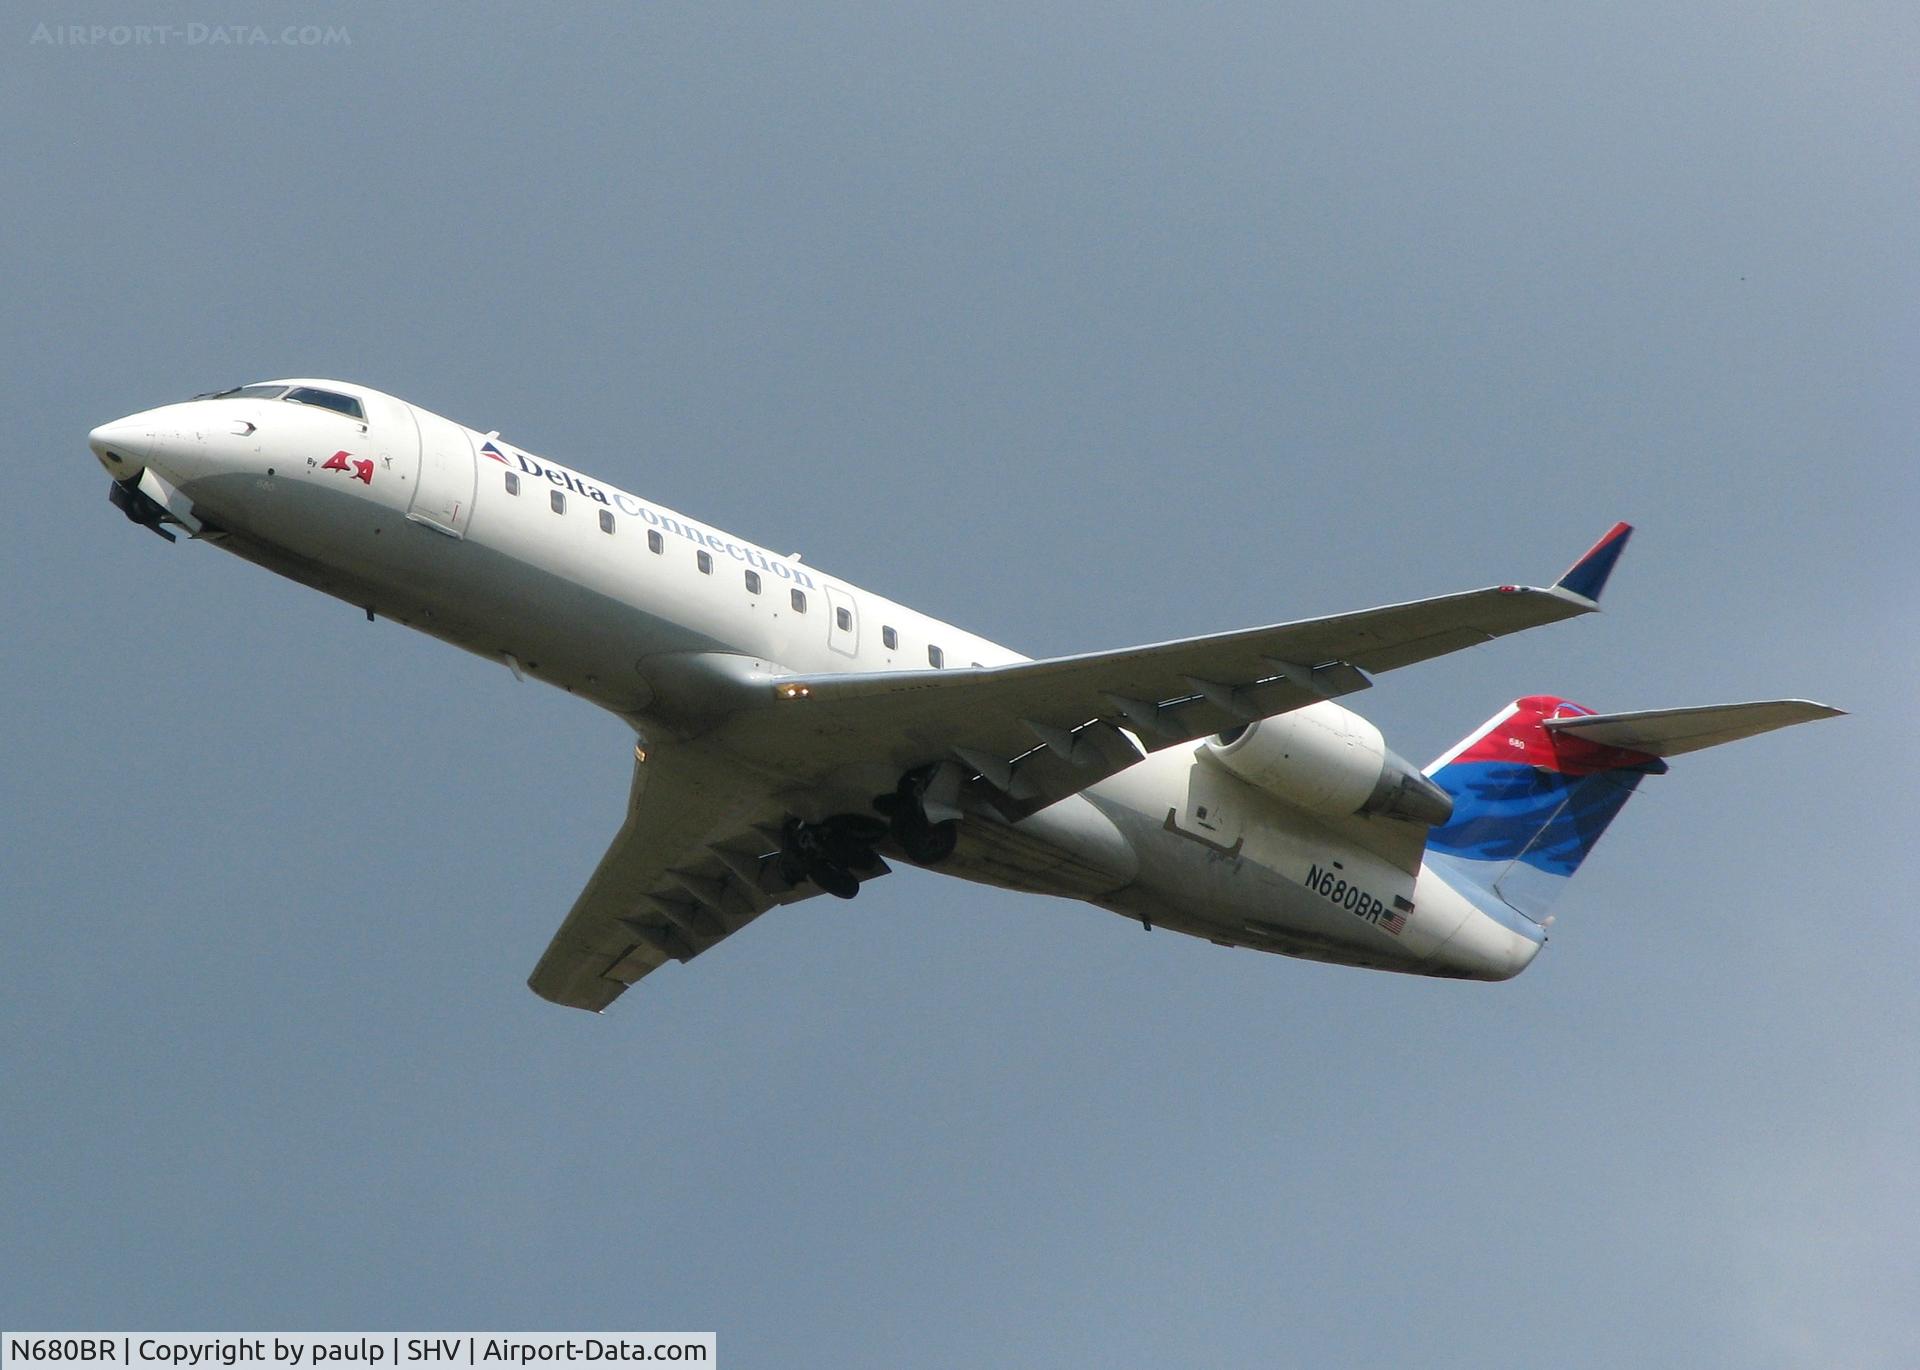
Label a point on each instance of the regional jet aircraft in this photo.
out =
(796, 734)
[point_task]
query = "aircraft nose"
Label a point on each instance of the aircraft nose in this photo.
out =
(122, 446)
(170, 437)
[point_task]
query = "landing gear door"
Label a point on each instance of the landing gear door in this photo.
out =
(843, 629)
(443, 498)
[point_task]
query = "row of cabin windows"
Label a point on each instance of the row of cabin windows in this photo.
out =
(842, 616)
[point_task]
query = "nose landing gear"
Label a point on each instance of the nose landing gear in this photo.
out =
(140, 507)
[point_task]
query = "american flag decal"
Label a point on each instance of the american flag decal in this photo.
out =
(1396, 921)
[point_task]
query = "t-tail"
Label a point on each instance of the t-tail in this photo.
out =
(1533, 790)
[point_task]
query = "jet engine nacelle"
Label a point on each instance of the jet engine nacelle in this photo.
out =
(1327, 760)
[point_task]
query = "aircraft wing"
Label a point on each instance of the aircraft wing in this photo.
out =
(1035, 732)
(694, 862)
(697, 857)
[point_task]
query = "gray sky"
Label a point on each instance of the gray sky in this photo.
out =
(1079, 328)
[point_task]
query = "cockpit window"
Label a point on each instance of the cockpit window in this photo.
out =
(250, 392)
(295, 394)
(327, 399)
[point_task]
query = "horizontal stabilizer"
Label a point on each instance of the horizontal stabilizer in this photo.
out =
(1670, 732)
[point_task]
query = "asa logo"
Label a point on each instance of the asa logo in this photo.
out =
(357, 468)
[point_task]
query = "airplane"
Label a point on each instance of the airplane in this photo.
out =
(795, 734)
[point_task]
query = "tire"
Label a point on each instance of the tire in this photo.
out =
(834, 880)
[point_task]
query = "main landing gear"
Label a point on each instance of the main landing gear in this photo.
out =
(836, 852)
(925, 842)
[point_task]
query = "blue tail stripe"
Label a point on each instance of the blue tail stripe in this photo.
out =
(1510, 812)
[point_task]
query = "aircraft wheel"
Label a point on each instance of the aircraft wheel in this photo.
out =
(835, 880)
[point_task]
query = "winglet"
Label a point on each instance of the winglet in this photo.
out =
(1587, 577)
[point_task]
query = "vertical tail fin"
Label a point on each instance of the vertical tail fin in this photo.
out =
(1533, 790)
(1529, 802)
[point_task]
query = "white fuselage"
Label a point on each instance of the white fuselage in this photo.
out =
(573, 582)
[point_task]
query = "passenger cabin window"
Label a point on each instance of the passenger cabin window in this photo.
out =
(843, 619)
(797, 598)
(655, 543)
(606, 520)
(706, 562)
(327, 399)
(557, 500)
(889, 639)
(753, 582)
(513, 482)
(936, 658)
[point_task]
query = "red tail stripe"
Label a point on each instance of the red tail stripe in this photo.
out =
(1520, 739)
